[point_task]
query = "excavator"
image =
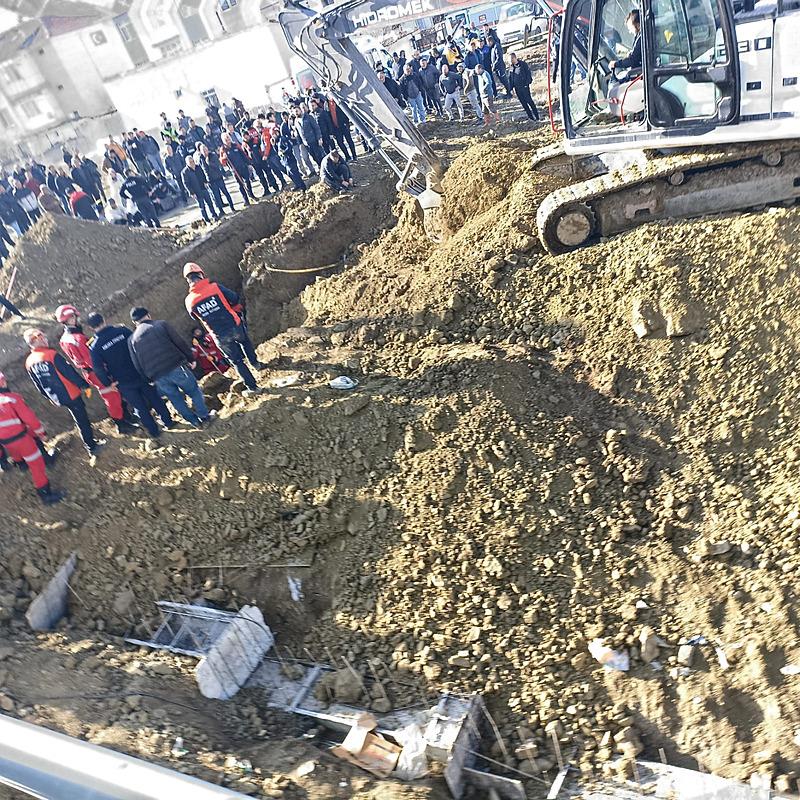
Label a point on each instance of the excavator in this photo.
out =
(707, 121)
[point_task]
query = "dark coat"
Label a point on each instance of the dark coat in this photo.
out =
(430, 77)
(136, 188)
(334, 172)
(194, 180)
(156, 349)
(324, 121)
(634, 58)
(212, 166)
(520, 76)
(410, 86)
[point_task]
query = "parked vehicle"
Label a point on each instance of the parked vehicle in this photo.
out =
(520, 22)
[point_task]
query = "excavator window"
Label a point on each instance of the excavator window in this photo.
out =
(687, 35)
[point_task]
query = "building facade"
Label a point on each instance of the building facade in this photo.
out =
(79, 72)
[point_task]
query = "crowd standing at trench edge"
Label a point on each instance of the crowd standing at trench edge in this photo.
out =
(141, 176)
(135, 370)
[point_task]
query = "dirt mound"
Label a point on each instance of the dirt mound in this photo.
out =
(320, 232)
(86, 261)
(541, 452)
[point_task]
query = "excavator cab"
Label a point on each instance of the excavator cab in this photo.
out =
(640, 72)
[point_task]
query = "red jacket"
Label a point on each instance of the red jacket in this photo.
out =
(208, 357)
(266, 141)
(75, 346)
(17, 418)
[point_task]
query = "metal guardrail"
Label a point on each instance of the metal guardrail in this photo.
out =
(52, 766)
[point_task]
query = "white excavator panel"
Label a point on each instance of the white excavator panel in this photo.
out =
(786, 67)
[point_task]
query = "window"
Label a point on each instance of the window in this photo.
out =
(210, 96)
(126, 30)
(170, 47)
(5, 119)
(30, 108)
(227, 5)
(12, 73)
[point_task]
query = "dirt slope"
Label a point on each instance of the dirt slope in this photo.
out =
(517, 474)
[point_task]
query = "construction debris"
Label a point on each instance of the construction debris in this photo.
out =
(52, 603)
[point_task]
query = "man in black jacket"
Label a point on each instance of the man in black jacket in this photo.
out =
(340, 127)
(215, 175)
(391, 84)
(12, 213)
(137, 189)
(163, 357)
(196, 183)
(323, 118)
(429, 74)
(498, 64)
(112, 363)
(175, 163)
(519, 79)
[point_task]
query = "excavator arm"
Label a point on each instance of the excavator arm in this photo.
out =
(323, 40)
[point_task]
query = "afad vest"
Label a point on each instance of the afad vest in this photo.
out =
(41, 366)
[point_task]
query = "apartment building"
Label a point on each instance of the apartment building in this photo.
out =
(80, 70)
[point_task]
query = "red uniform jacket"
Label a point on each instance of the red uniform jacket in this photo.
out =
(17, 418)
(75, 346)
(208, 357)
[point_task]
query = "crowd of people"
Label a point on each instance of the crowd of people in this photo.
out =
(134, 372)
(139, 178)
(470, 71)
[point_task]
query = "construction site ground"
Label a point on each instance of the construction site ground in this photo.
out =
(541, 452)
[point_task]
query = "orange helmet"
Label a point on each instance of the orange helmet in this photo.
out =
(31, 334)
(193, 269)
(64, 312)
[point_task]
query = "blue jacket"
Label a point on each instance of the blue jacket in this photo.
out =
(472, 59)
(111, 359)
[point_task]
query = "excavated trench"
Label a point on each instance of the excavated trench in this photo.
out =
(272, 249)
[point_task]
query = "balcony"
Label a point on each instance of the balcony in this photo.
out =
(17, 87)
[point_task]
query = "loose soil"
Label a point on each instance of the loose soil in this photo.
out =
(517, 474)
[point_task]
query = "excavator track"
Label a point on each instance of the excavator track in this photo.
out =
(684, 184)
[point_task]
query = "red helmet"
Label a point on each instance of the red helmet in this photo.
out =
(63, 313)
(3, 381)
(193, 269)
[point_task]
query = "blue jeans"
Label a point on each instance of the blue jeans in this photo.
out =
(417, 108)
(174, 385)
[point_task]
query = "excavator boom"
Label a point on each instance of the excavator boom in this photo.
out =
(323, 40)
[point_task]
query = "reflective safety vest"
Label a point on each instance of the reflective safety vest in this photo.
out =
(16, 418)
(207, 303)
(48, 379)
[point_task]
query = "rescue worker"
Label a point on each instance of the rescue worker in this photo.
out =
(220, 312)
(58, 381)
(21, 435)
(75, 346)
(112, 363)
(206, 355)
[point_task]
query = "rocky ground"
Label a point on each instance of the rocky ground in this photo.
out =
(541, 452)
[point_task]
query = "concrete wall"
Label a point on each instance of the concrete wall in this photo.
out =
(242, 65)
(80, 89)
(110, 57)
